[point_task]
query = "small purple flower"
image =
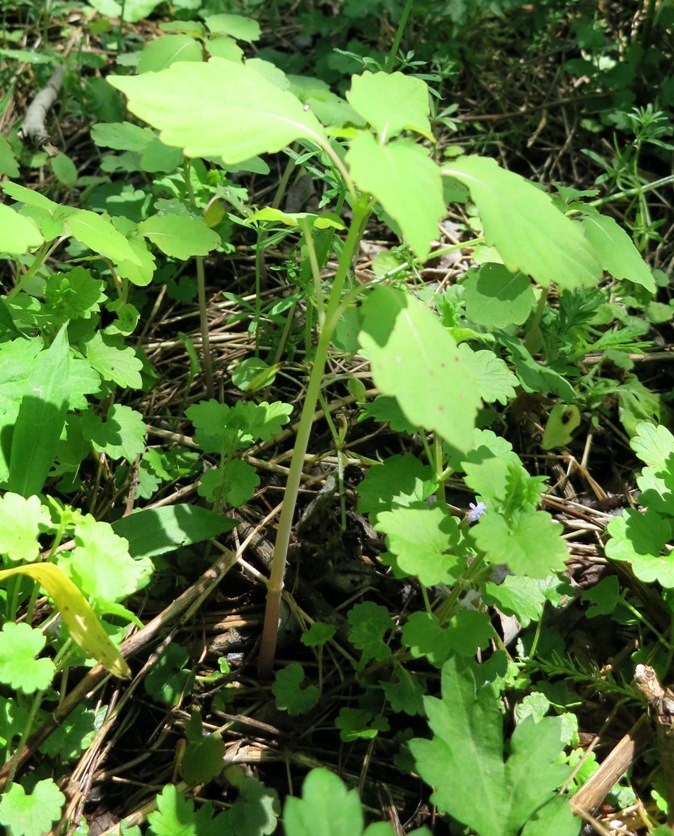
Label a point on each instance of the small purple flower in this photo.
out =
(476, 511)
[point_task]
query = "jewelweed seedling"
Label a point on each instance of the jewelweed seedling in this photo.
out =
(198, 107)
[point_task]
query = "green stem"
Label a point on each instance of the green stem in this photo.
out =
(201, 294)
(390, 61)
(305, 226)
(275, 586)
(203, 321)
(637, 190)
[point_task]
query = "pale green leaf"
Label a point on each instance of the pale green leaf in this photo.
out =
(422, 540)
(495, 381)
(562, 421)
(167, 50)
(220, 108)
(391, 103)
(179, 236)
(19, 645)
(296, 219)
(639, 538)
(97, 233)
(18, 234)
(616, 251)
(114, 361)
(529, 232)
(131, 11)
(138, 274)
(8, 162)
(101, 564)
(30, 197)
(497, 298)
(64, 170)
(528, 544)
(21, 523)
(73, 295)
(122, 136)
(220, 46)
(120, 436)
(31, 814)
(85, 628)
(654, 445)
(237, 26)
(414, 359)
(41, 419)
(406, 182)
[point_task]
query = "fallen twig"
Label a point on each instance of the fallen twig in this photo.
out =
(33, 127)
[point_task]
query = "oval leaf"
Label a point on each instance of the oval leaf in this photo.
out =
(524, 225)
(18, 234)
(220, 108)
(416, 360)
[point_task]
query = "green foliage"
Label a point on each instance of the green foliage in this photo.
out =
(204, 756)
(444, 361)
(19, 645)
(641, 538)
(31, 814)
(227, 431)
(327, 807)
(465, 759)
(290, 694)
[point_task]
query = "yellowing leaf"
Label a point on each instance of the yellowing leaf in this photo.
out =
(85, 628)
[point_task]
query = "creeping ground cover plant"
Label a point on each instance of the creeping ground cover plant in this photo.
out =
(415, 604)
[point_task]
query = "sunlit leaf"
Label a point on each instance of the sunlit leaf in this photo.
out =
(219, 108)
(524, 225)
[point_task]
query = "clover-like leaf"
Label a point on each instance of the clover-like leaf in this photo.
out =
(359, 724)
(19, 645)
(369, 624)
(639, 538)
(528, 544)
(176, 816)
(114, 361)
(424, 541)
(329, 808)
(31, 814)
(291, 692)
(399, 481)
(101, 564)
(21, 522)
